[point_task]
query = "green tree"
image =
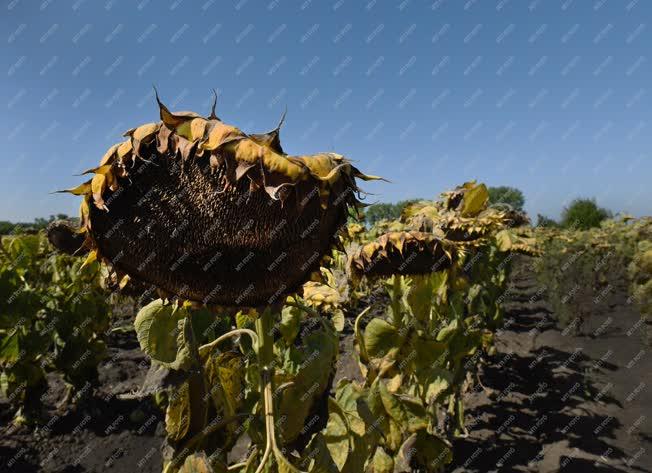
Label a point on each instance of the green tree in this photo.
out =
(16, 228)
(386, 211)
(507, 195)
(547, 222)
(6, 227)
(583, 214)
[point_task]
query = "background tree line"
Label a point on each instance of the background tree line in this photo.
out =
(581, 213)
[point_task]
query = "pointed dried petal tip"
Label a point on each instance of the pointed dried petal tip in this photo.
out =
(212, 116)
(170, 119)
(402, 253)
(272, 138)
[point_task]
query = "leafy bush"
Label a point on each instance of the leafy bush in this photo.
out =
(582, 214)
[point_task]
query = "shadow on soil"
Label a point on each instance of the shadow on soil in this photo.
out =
(540, 409)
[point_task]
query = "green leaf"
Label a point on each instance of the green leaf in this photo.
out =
(475, 200)
(310, 367)
(392, 405)
(196, 463)
(380, 337)
(177, 414)
(448, 331)
(429, 353)
(337, 317)
(336, 434)
(425, 452)
(224, 376)
(318, 456)
(416, 413)
(283, 464)
(419, 297)
(381, 462)
(438, 382)
(347, 395)
(160, 332)
(244, 320)
(290, 323)
(9, 349)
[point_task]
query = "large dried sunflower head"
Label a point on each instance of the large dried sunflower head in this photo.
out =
(211, 214)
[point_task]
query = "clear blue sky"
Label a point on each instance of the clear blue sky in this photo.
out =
(550, 96)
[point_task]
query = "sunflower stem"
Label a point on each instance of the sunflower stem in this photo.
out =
(265, 330)
(264, 325)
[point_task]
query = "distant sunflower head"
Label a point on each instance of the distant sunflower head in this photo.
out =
(211, 214)
(402, 253)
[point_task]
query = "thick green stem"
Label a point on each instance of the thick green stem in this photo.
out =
(264, 330)
(264, 324)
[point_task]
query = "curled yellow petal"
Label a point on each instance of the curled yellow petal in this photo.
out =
(81, 189)
(90, 259)
(98, 185)
(109, 156)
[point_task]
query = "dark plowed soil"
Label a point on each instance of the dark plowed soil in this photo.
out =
(554, 400)
(101, 433)
(561, 401)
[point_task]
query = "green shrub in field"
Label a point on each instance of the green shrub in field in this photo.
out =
(582, 214)
(507, 195)
(53, 316)
(546, 222)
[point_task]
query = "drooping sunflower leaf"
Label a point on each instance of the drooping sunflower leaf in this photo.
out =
(381, 462)
(424, 451)
(290, 323)
(448, 331)
(337, 434)
(9, 348)
(475, 200)
(380, 337)
(224, 375)
(177, 414)
(160, 332)
(338, 319)
(196, 463)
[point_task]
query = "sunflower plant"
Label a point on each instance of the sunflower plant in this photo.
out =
(445, 275)
(54, 316)
(228, 227)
